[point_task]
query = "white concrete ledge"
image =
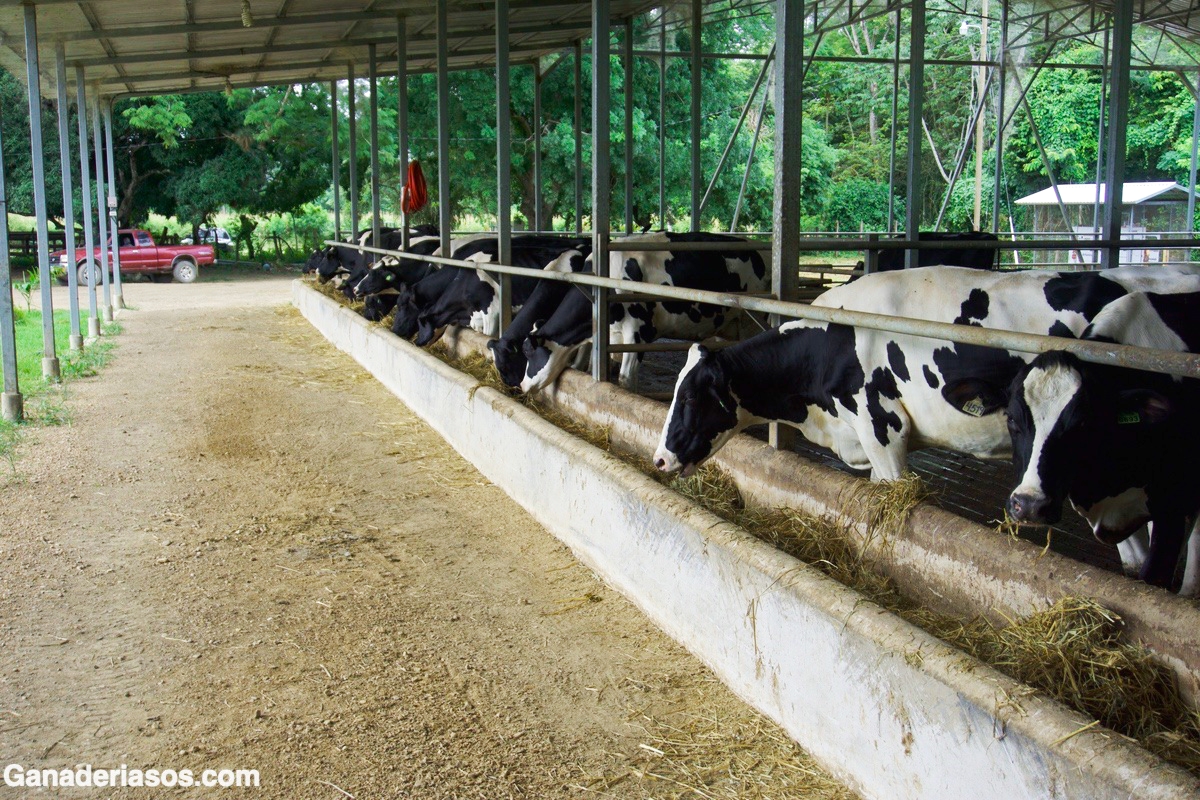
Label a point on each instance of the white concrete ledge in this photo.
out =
(887, 708)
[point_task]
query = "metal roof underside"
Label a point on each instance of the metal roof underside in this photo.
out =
(167, 46)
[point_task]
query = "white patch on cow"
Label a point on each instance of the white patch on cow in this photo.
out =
(1116, 517)
(1191, 570)
(559, 356)
(661, 453)
(1047, 393)
(1134, 551)
(1132, 319)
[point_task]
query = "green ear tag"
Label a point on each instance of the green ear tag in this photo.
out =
(1129, 418)
(973, 407)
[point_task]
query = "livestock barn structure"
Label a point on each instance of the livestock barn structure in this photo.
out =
(889, 708)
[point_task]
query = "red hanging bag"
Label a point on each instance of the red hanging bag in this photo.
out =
(416, 195)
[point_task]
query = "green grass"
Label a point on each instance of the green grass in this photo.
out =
(45, 401)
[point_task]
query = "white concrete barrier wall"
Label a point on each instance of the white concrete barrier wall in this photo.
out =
(887, 708)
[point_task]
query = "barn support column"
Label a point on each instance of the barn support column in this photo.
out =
(785, 243)
(11, 402)
(113, 222)
(49, 358)
(85, 192)
(402, 119)
(628, 87)
(538, 222)
(352, 111)
(1002, 59)
(335, 160)
(697, 66)
(101, 201)
(891, 204)
(1100, 119)
(373, 74)
(601, 173)
(1191, 208)
(916, 109)
(579, 136)
(503, 161)
(443, 128)
(662, 120)
(64, 152)
(1118, 118)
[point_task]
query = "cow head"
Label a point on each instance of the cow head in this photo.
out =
(545, 359)
(509, 359)
(428, 329)
(704, 414)
(379, 279)
(404, 323)
(1066, 423)
(326, 263)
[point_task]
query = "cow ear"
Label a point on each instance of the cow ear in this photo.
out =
(531, 343)
(491, 344)
(703, 351)
(975, 397)
(1144, 406)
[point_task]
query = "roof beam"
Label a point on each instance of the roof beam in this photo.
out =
(230, 52)
(217, 26)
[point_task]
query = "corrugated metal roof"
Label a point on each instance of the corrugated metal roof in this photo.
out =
(1084, 194)
(128, 47)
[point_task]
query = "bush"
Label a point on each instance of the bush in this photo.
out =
(859, 204)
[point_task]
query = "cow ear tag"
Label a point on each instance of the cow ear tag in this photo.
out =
(1129, 418)
(974, 407)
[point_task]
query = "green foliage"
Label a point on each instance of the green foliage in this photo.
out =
(164, 116)
(858, 204)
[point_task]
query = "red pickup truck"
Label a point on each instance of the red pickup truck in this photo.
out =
(140, 256)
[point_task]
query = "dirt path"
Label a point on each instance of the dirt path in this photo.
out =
(244, 553)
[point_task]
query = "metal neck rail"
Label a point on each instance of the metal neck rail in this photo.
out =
(1185, 365)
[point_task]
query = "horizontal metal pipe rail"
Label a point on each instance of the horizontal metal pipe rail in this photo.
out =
(1171, 363)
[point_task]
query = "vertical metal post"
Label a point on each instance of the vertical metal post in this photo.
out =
(601, 99)
(503, 161)
(1191, 208)
(697, 66)
(1100, 120)
(443, 128)
(916, 107)
(1002, 59)
(402, 118)
(335, 159)
(11, 402)
(113, 222)
(85, 191)
(981, 87)
(662, 121)
(64, 152)
(628, 125)
(352, 111)
(101, 202)
(891, 203)
(537, 220)
(49, 359)
(1118, 118)
(373, 75)
(579, 136)
(785, 244)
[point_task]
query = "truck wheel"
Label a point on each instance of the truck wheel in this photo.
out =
(82, 273)
(185, 270)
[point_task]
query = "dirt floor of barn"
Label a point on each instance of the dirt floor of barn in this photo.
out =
(242, 552)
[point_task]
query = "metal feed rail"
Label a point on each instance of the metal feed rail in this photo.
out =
(1171, 363)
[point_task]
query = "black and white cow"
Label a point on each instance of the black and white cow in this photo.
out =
(963, 255)
(872, 396)
(552, 346)
(348, 264)
(472, 298)
(1120, 444)
(412, 300)
(508, 352)
(386, 275)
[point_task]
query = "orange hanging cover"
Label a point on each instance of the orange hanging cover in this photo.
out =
(416, 195)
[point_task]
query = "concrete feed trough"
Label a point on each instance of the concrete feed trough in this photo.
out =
(886, 707)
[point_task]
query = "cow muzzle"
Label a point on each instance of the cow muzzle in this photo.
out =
(1028, 507)
(668, 462)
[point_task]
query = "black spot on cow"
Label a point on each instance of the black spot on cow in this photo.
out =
(882, 384)
(1059, 328)
(975, 307)
(633, 270)
(930, 377)
(1179, 312)
(1085, 293)
(616, 313)
(984, 373)
(896, 361)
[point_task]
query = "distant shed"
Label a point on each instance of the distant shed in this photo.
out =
(1149, 209)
